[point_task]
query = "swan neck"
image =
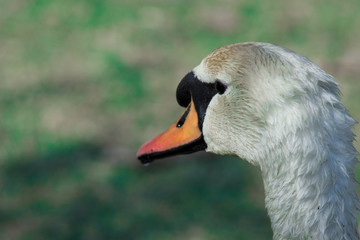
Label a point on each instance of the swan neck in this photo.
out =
(310, 188)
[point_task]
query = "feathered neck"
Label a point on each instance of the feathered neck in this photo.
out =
(308, 167)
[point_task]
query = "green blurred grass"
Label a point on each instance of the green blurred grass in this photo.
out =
(131, 203)
(84, 83)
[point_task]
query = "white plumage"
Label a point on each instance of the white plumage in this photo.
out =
(282, 113)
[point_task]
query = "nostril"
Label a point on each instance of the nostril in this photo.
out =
(183, 118)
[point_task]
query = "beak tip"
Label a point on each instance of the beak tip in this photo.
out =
(144, 159)
(144, 153)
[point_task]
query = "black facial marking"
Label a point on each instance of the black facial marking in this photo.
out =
(201, 92)
(183, 118)
(183, 95)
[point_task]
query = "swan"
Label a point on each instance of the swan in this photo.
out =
(282, 113)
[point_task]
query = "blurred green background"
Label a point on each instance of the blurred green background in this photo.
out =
(84, 83)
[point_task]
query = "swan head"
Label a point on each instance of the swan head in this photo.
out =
(236, 101)
(279, 111)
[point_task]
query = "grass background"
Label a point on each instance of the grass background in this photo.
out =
(84, 83)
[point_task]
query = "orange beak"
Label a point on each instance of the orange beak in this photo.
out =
(183, 136)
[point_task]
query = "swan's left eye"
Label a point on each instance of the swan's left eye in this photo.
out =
(220, 87)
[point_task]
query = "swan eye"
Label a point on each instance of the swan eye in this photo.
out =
(220, 87)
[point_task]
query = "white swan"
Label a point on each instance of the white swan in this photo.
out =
(282, 113)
